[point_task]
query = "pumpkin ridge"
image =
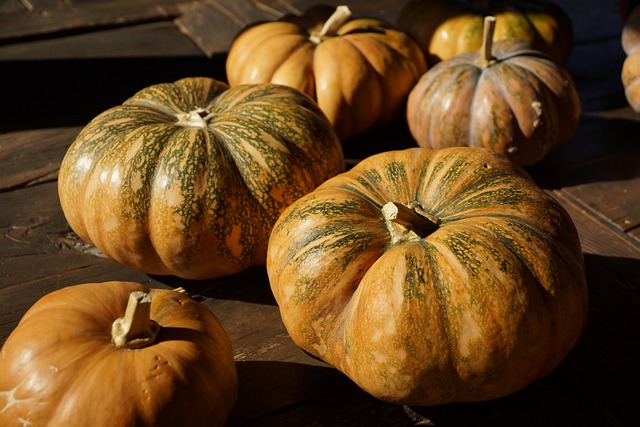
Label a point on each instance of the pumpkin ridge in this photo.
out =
(527, 228)
(285, 53)
(441, 292)
(357, 43)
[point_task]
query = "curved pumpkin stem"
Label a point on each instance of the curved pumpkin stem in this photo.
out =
(412, 218)
(487, 40)
(341, 15)
(135, 329)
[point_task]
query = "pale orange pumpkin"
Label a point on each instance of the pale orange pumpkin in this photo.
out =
(359, 70)
(117, 354)
(630, 74)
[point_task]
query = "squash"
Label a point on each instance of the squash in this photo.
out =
(505, 97)
(117, 354)
(630, 74)
(187, 178)
(358, 70)
(431, 276)
(446, 28)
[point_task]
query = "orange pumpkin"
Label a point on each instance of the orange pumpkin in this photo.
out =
(431, 276)
(505, 97)
(117, 354)
(358, 70)
(631, 67)
(187, 178)
(446, 28)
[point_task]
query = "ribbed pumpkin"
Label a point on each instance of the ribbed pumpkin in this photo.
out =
(117, 354)
(505, 97)
(446, 28)
(431, 276)
(187, 178)
(358, 70)
(631, 67)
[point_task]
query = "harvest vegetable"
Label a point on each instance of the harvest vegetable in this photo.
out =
(188, 178)
(631, 66)
(505, 97)
(359, 70)
(431, 276)
(446, 28)
(117, 354)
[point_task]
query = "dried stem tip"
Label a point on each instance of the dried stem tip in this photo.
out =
(487, 38)
(135, 329)
(411, 217)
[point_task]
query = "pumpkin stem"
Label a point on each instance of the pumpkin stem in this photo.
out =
(196, 119)
(135, 329)
(341, 15)
(487, 40)
(411, 217)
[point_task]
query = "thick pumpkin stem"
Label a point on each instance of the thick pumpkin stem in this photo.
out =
(487, 40)
(412, 218)
(195, 119)
(341, 15)
(135, 329)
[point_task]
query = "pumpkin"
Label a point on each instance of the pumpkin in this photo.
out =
(358, 70)
(187, 178)
(630, 74)
(117, 354)
(446, 28)
(431, 276)
(505, 97)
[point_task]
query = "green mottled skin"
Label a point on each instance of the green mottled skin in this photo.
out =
(489, 302)
(195, 199)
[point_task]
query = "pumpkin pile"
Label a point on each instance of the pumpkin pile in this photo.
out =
(428, 275)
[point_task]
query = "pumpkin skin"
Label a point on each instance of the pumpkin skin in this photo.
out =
(446, 28)
(630, 74)
(158, 188)
(518, 103)
(60, 367)
(489, 300)
(359, 75)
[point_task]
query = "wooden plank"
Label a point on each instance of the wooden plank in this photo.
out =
(616, 201)
(14, 6)
(598, 170)
(157, 39)
(82, 16)
(213, 24)
(27, 161)
(596, 237)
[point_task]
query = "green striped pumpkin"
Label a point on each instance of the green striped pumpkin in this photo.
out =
(430, 276)
(187, 178)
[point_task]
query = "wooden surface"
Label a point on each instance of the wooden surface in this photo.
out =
(63, 62)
